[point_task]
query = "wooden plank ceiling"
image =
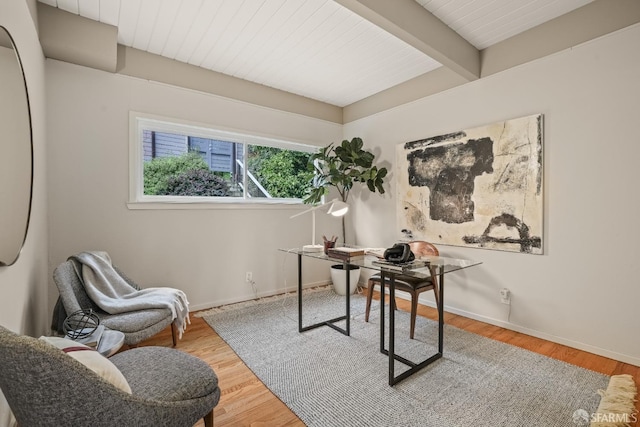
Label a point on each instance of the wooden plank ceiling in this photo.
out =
(338, 52)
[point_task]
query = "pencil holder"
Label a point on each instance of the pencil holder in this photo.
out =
(328, 244)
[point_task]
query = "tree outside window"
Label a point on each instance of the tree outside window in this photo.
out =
(182, 165)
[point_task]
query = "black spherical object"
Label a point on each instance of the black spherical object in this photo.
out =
(80, 324)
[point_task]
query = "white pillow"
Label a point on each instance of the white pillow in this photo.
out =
(92, 360)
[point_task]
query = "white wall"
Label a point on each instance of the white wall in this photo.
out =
(205, 252)
(584, 290)
(23, 306)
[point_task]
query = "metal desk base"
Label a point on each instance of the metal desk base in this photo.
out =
(330, 322)
(414, 366)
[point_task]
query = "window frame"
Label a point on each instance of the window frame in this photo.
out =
(138, 122)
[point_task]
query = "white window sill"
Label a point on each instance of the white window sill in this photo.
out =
(217, 204)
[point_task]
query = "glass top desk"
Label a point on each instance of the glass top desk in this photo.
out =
(435, 267)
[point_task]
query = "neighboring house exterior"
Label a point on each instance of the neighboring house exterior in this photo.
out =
(158, 144)
(219, 155)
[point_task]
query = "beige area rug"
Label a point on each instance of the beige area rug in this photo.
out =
(329, 379)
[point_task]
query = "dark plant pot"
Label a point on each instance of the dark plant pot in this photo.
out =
(339, 279)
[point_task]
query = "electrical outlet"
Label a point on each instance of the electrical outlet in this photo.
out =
(248, 277)
(505, 296)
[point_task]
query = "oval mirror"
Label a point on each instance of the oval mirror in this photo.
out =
(16, 153)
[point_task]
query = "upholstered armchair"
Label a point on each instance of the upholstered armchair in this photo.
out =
(45, 386)
(137, 325)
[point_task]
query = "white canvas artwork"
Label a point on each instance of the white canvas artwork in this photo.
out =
(480, 187)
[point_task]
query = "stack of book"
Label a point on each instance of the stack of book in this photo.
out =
(92, 340)
(376, 252)
(403, 266)
(344, 254)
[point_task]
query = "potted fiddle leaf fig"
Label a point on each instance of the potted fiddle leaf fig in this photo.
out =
(342, 166)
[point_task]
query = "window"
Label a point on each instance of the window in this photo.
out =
(178, 162)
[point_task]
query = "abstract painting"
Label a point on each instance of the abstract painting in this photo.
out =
(480, 187)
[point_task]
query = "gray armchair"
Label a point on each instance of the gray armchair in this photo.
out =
(46, 387)
(137, 326)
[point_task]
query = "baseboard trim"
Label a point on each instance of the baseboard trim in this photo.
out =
(528, 331)
(262, 294)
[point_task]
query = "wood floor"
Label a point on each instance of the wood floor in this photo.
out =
(245, 401)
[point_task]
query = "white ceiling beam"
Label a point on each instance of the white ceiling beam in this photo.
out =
(424, 85)
(97, 47)
(413, 24)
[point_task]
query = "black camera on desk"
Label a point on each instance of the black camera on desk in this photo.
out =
(399, 253)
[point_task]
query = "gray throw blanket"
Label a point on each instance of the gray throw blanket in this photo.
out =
(114, 295)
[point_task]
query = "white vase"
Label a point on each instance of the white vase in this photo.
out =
(339, 279)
